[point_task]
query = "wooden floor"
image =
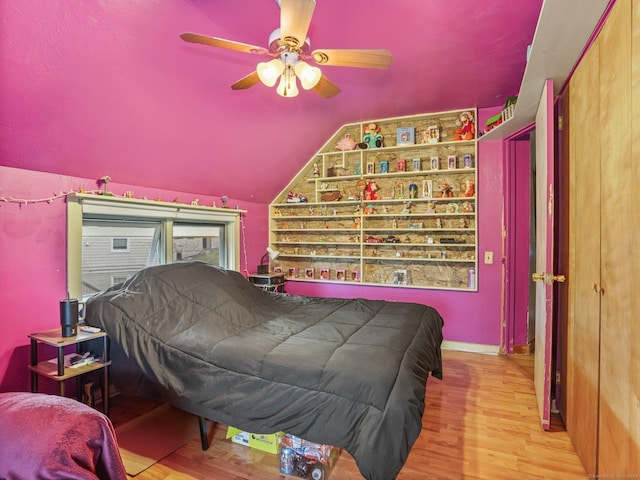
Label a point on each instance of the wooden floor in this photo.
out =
(481, 423)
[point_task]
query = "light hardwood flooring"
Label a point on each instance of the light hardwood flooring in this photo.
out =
(480, 423)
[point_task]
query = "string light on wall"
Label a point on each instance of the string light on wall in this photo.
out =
(128, 194)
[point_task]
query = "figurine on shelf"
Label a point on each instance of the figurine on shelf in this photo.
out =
(438, 223)
(445, 190)
(371, 191)
(372, 137)
(467, 207)
(462, 223)
(361, 185)
(469, 188)
(310, 211)
(369, 210)
(431, 207)
(346, 143)
(466, 128)
(356, 222)
(413, 190)
(291, 198)
(276, 212)
(406, 209)
(316, 170)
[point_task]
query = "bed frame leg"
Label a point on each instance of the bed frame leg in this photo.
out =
(204, 437)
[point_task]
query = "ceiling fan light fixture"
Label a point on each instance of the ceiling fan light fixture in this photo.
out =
(288, 86)
(309, 76)
(268, 72)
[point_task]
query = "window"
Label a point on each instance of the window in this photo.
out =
(110, 238)
(119, 245)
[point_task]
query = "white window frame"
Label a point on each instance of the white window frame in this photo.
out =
(80, 206)
(119, 250)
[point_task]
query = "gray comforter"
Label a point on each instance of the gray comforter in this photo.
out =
(344, 372)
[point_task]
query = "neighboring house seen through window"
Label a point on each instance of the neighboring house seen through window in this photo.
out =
(111, 239)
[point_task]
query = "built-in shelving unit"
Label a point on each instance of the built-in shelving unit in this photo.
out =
(399, 214)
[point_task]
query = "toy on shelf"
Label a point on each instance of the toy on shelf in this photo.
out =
(372, 137)
(346, 143)
(295, 198)
(469, 188)
(371, 191)
(445, 190)
(466, 127)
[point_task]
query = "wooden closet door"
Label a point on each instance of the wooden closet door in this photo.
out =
(583, 330)
(619, 422)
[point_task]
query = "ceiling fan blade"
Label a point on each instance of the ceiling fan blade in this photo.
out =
(362, 58)
(326, 88)
(222, 43)
(246, 82)
(295, 17)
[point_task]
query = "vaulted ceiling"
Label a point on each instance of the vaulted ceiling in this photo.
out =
(107, 87)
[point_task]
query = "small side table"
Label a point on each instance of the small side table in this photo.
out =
(56, 370)
(271, 282)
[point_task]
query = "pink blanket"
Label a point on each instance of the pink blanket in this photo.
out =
(50, 437)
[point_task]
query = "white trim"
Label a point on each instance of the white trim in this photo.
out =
(471, 347)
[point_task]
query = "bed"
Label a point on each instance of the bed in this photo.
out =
(50, 437)
(345, 372)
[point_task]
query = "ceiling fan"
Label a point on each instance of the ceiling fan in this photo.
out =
(289, 47)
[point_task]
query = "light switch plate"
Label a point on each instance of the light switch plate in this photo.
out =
(488, 258)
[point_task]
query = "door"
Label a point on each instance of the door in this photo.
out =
(544, 251)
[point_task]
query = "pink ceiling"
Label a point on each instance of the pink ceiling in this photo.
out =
(107, 87)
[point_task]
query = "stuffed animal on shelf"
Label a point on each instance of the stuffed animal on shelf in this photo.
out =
(445, 190)
(466, 127)
(469, 188)
(371, 192)
(372, 137)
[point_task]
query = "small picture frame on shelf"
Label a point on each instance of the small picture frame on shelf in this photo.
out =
(401, 165)
(309, 273)
(341, 275)
(467, 160)
(416, 164)
(355, 275)
(357, 168)
(324, 274)
(427, 189)
(292, 272)
(432, 134)
(277, 269)
(384, 166)
(406, 136)
(435, 163)
(401, 277)
(451, 162)
(371, 168)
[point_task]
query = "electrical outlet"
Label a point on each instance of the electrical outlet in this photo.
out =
(488, 258)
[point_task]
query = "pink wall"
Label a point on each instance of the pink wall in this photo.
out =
(33, 257)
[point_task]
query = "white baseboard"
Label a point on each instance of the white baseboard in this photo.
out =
(471, 347)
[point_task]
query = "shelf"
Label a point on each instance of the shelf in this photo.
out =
(320, 243)
(415, 259)
(409, 173)
(351, 257)
(558, 43)
(50, 369)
